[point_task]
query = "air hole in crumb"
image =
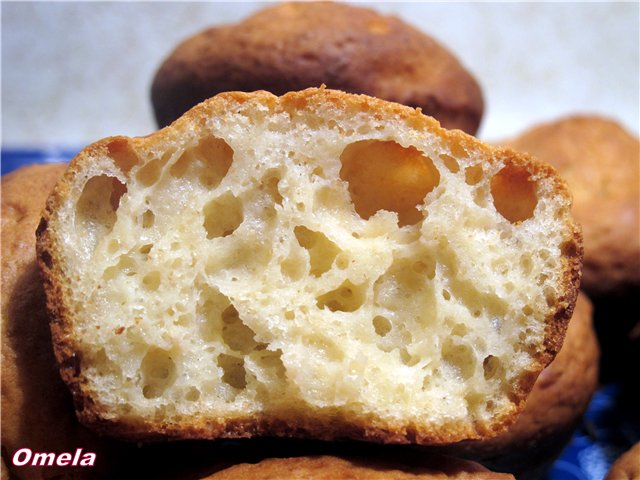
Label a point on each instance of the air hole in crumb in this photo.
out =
(222, 216)
(272, 361)
(541, 279)
(289, 315)
(492, 367)
(549, 295)
(126, 265)
(192, 395)
(446, 295)
(346, 298)
(450, 162)
(475, 401)
(123, 154)
(526, 265)
(146, 248)
(270, 184)
(209, 162)
(424, 268)
(459, 357)
(97, 206)
(235, 333)
(527, 310)
(383, 175)
(209, 310)
(113, 246)
(150, 173)
(148, 219)
(233, 371)
(473, 174)
(293, 267)
(382, 325)
(151, 281)
(408, 359)
(459, 329)
(158, 372)
(322, 251)
(514, 193)
(457, 150)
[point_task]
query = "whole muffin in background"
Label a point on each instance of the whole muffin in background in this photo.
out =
(292, 46)
(554, 407)
(627, 467)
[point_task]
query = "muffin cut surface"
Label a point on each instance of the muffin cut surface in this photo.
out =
(318, 264)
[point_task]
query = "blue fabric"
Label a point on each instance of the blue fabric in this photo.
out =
(608, 429)
(16, 158)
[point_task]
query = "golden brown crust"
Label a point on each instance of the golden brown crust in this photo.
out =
(330, 467)
(293, 46)
(554, 407)
(600, 161)
(627, 467)
(37, 411)
(326, 425)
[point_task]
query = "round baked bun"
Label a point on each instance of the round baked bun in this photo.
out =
(600, 161)
(627, 467)
(37, 409)
(332, 467)
(319, 264)
(293, 46)
(554, 407)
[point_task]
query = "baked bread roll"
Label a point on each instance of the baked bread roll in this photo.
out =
(627, 467)
(330, 467)
(600, 161)
(37, 410)
(554, 407)
(318, 264)
(293, 46)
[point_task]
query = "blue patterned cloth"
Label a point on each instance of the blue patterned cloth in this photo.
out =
(610, 427)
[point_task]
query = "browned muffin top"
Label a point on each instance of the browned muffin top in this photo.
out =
(292, 46)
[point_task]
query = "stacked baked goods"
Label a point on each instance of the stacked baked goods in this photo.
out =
(315, 265)
(452, 165)
(219, 277)
(293, 46)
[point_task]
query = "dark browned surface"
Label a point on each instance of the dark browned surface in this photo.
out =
(293, 46)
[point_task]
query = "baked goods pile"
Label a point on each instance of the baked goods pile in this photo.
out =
(294, 46)
(313, 265)
(318, 264)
